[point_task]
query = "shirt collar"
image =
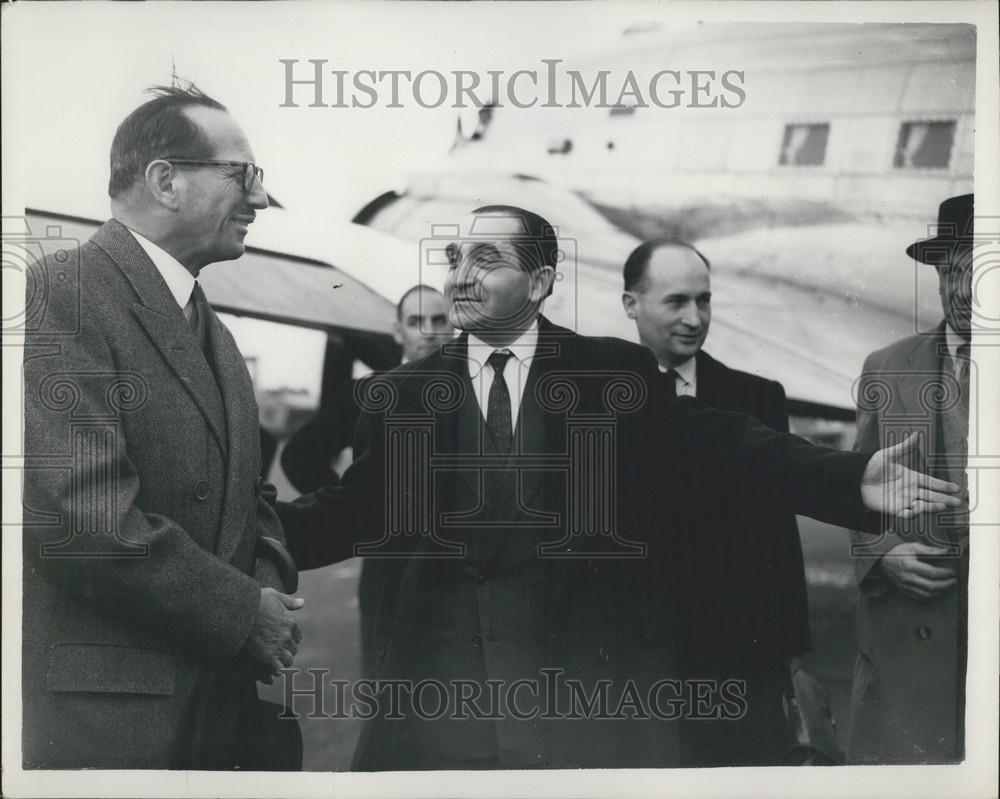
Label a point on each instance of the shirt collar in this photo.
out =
(179, 281)
(686, 371)
(523, 349)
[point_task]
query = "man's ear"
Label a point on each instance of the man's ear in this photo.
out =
(942, 281)
(629, 303)
(160, 183)
(397, 333)
(542, 282)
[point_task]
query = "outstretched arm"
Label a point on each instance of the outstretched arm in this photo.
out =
(323, 527)
(743, 458)
(889, 487)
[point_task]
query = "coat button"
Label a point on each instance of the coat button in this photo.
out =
(477, 641)
(923, 633)
(602, 655)
(201, 490)
(592, 565)
(482, 579)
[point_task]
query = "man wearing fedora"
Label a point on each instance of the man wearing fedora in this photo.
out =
(908, 696)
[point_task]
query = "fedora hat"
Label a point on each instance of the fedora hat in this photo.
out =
(954, 227)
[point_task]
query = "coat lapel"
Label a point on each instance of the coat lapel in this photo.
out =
(707, 378)
(924, 367)
(460, 423)
(537, 428)
(164, 321)
(241, 434)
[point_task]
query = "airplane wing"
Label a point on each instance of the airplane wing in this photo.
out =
(295, 284)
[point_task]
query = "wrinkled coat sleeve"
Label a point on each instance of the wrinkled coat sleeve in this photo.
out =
(323, 527)
(734, 453)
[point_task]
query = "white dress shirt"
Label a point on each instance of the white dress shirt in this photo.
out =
(515, 373)
(178, 279)
(686, 379)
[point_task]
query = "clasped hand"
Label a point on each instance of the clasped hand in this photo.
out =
(911, 575)
(275, 635)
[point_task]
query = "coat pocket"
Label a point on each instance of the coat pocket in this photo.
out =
(109, 668)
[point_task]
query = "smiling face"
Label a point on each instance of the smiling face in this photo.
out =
(490, 289)
(672, 306)
(214, 211)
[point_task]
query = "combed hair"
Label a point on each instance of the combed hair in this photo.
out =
(637, 264)
(158, 128)
(538, 243)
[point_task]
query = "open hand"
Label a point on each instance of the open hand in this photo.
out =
(911, 576)
(275, 635)
(889, 487)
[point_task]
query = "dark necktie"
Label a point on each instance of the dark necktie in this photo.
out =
(198, 304)
(671, 377)
(498, 416)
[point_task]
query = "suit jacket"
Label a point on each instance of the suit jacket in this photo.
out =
(529, 590)
(142, 510)
(306, 456)
(744, 607)
(909, 680)
(765, 567)
(306, 459)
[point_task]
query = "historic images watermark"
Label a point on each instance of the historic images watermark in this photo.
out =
(548, 696)
(22, 247)
(45, 265)
(314, 84)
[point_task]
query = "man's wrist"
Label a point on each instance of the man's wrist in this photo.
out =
(274, 551)
(266, 573)
(249, 620)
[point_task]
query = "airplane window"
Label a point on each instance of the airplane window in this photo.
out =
(804, 145)
(924, 145)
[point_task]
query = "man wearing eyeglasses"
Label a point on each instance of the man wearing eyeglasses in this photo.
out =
(155, 593)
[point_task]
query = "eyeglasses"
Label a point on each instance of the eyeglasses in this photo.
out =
(249, 171)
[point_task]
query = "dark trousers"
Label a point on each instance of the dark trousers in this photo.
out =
(230, 728)
(759, 738)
